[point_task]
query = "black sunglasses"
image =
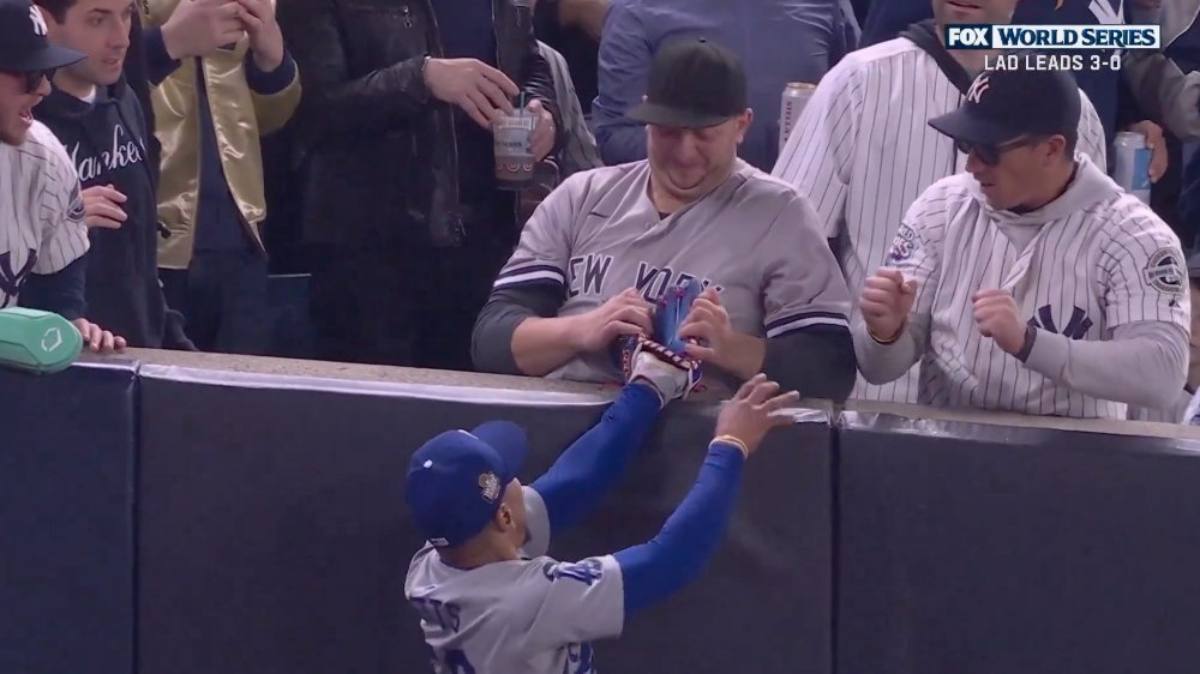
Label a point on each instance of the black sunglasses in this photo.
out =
(990, 154)
(33, 78)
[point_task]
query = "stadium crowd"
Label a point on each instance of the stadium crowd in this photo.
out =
(235, 175)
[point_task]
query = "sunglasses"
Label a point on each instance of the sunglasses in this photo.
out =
(990, 154)
(33, 78)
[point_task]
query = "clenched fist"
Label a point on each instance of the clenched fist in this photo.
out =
(997, 317)
(886, 301)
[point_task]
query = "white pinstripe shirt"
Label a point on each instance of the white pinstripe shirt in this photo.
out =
(1086, 267)
(863, 151)
(41, 212)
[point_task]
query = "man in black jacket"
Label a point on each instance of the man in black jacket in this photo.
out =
(396, 151)
(100, 122)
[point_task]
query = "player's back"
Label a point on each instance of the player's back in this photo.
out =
(506, 617)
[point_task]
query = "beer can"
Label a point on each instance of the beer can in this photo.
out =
(795, 97)
(1132, 170)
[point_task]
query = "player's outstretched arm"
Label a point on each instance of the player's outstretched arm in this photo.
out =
(584, 473)
(653, 571)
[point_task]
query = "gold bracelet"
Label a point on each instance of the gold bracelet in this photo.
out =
(730, 440)
(887, 342)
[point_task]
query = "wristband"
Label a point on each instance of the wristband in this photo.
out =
(887, 342)
(730, 440)
(1027, 347)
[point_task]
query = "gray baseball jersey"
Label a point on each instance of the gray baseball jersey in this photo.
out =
(863, 152)
(534, 616)
(41, 212)
(1092, 262)
(754, 238)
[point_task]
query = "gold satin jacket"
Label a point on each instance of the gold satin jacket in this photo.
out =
(240, 118)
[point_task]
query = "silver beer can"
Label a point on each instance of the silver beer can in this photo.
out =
(1132, 171)
(795, 96)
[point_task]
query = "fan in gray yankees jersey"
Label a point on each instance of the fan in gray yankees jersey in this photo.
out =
(587, 275)
(608, 243)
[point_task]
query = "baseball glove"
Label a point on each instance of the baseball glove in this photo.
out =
(662, 360)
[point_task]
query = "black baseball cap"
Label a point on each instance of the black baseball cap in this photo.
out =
(1003, 105)
(24, 47)
(693, 83)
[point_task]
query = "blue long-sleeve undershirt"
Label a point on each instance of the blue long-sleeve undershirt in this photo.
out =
(672, 559)
(584, 473)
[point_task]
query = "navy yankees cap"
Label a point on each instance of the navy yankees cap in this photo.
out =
(456, 480)
(693, 83)
(1003, 105)
(23, 44)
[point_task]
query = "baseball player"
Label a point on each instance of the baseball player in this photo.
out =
(43, 238)
(608, 242)
(862, 151)
(1032, 283)
(490, 601)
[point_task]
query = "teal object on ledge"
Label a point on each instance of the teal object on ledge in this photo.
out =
(37, 341)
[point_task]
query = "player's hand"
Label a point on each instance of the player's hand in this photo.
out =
(482, 92)
(96, 338)
(542, 141)
(997, 317)
(1156, 142)
(266, 39)
(885, 303)
(749, 415)
(102, 207)
(200, 27)
(708, 322)
(625, 314)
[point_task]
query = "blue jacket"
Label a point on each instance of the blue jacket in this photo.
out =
(779, 41)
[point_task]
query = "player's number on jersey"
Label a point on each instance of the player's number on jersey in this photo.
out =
(455, 662)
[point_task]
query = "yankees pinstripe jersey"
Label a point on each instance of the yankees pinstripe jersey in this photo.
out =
(1091, 262)
(753, 237)
(863, 152)
(41, 212)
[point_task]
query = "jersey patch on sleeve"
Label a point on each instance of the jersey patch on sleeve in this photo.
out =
(1164, 272)
(906, 243)
(587, 572)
